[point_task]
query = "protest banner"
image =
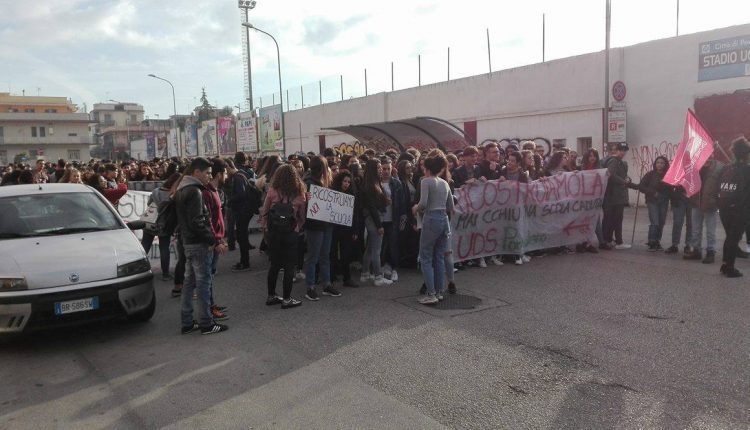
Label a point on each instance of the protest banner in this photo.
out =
(509, 217)
(330, 206)
(247, 139)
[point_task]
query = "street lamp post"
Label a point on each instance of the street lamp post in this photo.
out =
(174, 105)
(281, 95)
(247, 5)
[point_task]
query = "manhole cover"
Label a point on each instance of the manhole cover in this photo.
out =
(458, 301)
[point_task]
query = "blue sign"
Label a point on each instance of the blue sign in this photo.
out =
(725, 58)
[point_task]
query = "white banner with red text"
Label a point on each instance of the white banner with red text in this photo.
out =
(512, 218)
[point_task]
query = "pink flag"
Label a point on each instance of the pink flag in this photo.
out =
(694, 149)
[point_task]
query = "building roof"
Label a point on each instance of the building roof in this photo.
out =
(7, 99)
(421, 132)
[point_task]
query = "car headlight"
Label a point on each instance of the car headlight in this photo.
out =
(13, 284)
(133, 268)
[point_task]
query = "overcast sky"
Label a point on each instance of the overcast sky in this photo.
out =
(95, 50)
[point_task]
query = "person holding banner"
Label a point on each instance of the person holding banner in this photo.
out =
(435, 203)
(286, 188)
(374, 201)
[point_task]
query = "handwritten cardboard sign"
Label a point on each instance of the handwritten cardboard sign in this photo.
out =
(509, 217)
(330, 206)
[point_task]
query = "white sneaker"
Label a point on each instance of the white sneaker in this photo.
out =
(519, 261)
(299, 275)
(428, 300)
(622, 246)
(526, 258)
(394, 276)
(387, 270)
(364, 277)
(497, 260)
(380, 281)
(482, 263)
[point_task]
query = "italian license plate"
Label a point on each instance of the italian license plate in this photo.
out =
(69, 307)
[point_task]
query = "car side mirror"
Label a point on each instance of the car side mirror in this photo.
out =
(136, 225)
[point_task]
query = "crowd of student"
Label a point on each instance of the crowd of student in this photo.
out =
(215, 199)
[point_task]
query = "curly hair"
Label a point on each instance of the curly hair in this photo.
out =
(287, 182)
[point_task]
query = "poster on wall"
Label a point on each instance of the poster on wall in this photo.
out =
(226, 135)
(191, 140)
(271, 137)
(617, 125)
(723, 59)
(138, 149)
(247, 138)
(150, 146)
(161, 145)
(207, 137)
(174, 149)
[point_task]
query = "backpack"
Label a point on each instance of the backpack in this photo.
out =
(281, 218)
(731, 187)
(253, 195)
(166, 220)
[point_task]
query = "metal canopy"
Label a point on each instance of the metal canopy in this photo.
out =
(423, 133)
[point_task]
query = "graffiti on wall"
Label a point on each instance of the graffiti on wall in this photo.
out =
(355, 148)
(644, 155)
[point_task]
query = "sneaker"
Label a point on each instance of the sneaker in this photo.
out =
(189, 328)
(394, 276)
(482, 263)
(166, 277)
(672, 250)
(428, 300)
(709, 258)
(723, 268)
(299, 275)
(451, 288)
(605, 246)
(527, 259)
(622, 246)
(387, 270)
(440, 296)
(496, 261)
(273, 300)
(312, 295)
(216, 328)
(219, 315)
(349, 283)
(177, 291)
(731, 272)
(519, 261)
(330, 291)
(221, 308)
(652, 247)
(239, 267)
(692, 255)
(742, 254)
(291, 303)
(380, 281)
(589, 248)
(365, 277)
(423, 289)
(658, 247)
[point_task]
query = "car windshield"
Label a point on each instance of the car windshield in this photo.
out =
(54, 214)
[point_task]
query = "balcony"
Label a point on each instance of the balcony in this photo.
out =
(48, 140)
(10, 117)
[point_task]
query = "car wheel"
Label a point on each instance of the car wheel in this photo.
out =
(146, 314)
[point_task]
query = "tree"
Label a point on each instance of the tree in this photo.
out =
(205, 110)
(225, 111)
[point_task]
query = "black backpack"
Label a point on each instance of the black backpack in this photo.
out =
(281, 218)
(166, 220)
(253, 195)
(731, 187)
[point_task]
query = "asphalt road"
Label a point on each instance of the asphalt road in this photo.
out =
(620, 339)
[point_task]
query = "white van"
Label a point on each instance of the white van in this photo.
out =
(67, 257)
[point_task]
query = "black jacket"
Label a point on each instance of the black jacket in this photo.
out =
(238, 200)
(192, 214)
(653, 188)
(461, 175)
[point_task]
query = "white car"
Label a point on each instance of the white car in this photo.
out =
(67, 257)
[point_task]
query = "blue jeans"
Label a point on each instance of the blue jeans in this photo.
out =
(198, 260)
(214, 263)
(699, 217)
(318, 253)
(657, 217)
(433, 244)
(679, 212)
(371, 258)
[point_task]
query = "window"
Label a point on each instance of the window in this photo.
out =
(12, 110)
(584, 144)
(72, 134)
(4, 158)
(133, 119)
(107, 117)
(1, 132)
(119, 107)
(33, 131)
(29, 110)
(42, 132)
(50, 110)
(74, 154)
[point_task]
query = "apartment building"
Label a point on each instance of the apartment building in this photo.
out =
(35, 127)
